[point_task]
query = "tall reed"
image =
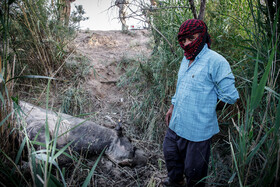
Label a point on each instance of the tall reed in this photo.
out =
(7, 65)
(8, 133)
(42, 45)
(256, 141)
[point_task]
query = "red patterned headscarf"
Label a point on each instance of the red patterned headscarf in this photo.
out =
(189, 28)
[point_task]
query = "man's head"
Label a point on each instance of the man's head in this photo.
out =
(192, 36)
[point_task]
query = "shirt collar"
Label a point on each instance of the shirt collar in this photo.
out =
(204, 49)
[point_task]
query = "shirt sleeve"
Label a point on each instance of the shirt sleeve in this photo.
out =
(224, 83)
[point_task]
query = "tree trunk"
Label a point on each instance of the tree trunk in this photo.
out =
(202, 9)
(122, 4)
(65, 11)
(193, 9)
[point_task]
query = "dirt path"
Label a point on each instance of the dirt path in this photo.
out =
(106, 51)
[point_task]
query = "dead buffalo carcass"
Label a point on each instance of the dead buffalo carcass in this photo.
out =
(86, 135)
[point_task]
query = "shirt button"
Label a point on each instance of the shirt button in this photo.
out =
(192, 76)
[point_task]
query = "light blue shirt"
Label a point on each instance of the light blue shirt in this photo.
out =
(199, 86)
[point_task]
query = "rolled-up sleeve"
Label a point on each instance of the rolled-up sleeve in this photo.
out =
(224, 83)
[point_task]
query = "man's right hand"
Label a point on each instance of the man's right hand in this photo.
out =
(168, 115)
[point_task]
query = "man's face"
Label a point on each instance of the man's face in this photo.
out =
(190, 39)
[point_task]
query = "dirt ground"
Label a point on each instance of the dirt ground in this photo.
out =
(107, 50)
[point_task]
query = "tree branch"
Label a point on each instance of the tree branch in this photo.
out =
(171, 46)
(193, 9)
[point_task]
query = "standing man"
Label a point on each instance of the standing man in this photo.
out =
(205, 83)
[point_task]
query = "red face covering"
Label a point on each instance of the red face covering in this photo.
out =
(189, 28)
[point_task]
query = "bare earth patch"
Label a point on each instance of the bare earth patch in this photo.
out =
(107, 50)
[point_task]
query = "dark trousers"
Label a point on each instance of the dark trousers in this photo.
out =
(184, 157)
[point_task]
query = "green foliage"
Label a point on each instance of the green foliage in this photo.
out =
(225, 20)
(77, 16)
(39, 37)
(43, 38)
(75, 98)
(6, 108)
(257, 125)
(33, 40)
